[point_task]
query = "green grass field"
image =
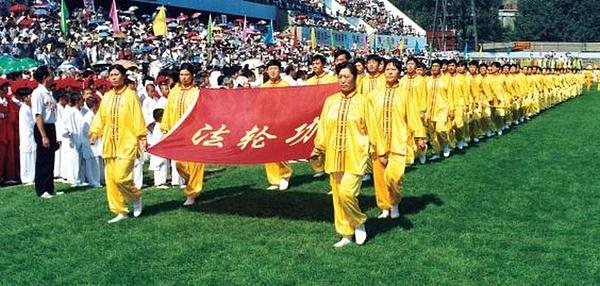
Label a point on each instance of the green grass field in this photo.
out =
(520, 209)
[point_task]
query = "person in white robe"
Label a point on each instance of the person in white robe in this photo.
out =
(72, 134)
(27, 145)
(91, 164)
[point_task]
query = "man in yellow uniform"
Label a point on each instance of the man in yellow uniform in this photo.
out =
(463, 100)
(476, 108)
(437, 115)
(487, 102)
(120, 123)
(495, 92)
(182, 98)
(374, 78)
(523, 91)
(278, 173)
(398, 119)
(320, 76)
(510, 93)
(415, 86)
(348, 137)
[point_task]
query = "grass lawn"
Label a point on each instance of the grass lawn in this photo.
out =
(522, 208)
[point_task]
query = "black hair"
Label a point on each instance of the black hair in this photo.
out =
(347, 65)
(474, 63)
(318, 57)
(272, 63)
(360, 60)
(496, 64)
(451, 62)
(373, 57)
(412, 59)
(91, 102)
(157, 114)
(41, 73)
(437, 61)
(462, 64)
(188, 67)
(342, 52)
(395, 62)
(23, 92)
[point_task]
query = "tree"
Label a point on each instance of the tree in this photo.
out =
(558, 20)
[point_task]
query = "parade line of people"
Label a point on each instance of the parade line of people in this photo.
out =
(388, 114)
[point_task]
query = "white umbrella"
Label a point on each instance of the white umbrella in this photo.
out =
(103, 28)
(66, 67)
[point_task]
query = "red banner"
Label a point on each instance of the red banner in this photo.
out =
(247, 126)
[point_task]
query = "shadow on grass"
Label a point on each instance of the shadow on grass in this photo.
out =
(251, 202)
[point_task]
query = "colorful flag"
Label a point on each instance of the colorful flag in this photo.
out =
(115, 18)
(295, 46)
(159, 25)
(417, 49)
(64, 15)
(331, 39)
(313, 38)
(269, 36)
(401, 47)
(209, 36)
(244, 31)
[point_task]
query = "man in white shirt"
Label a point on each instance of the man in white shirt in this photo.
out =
(26, 142)
(43, 108)
(92, 162)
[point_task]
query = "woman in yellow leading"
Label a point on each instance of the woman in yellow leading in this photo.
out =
(278, 173)
(397, 114)
(346, 136)
(120, 123)
(181, 98)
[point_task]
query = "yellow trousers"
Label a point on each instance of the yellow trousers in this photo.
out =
(438, 136)
(346, 211)
(277, 171)
(388, 181)
(119, 184)
(193, 174)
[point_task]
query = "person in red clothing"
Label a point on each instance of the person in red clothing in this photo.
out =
(9, 142)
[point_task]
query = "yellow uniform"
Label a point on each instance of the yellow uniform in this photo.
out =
(278, 170)
(180, 101)
(438, 107)
(398, 120)
(476, 107)
(416, 87)
(460, 96)
(347, 134)
(370, 83)
(120, 124)
(324, 78)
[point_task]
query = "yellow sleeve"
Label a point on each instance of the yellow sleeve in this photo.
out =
(137, 116)
(375, 138)
(413, 119)
(170, 113)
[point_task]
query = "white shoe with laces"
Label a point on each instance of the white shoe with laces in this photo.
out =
(46, 195)
(137, 207)
(284, 184)
(189, 201)
(318, 175)
(446, 151)
(118, 218)
(422, 159)
(346, 240)
(384, 214)
(272, 188)
(360, 234)
(394, 212)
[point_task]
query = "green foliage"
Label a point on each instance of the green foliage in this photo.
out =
(519, 209)
(558, 20)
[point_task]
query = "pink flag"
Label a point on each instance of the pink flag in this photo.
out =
(244, 31)
(115, 18)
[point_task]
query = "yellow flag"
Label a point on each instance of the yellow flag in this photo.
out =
(159, 25)
(401, 47)
(313, 38)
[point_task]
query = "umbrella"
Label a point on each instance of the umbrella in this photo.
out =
(66, 66)
(191, 34)
(18, 8)
(147, 49)
(173, 25)
(169, 20)
(17, 65)
(103, 34)
(120, 36)
(253, 63)
(25, 22)
(126, 24)
(126, 64)
(41, 12)
(150, 39)
(182, 17)
(103, 28)
(96, 22)
(262, 22)
(69, 83)
(196, 15)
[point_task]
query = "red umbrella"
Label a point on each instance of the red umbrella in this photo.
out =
(301, 16)
(191, 34)
(25, 22)
(182, 17)
(150, 39)
(18, 8)
(22, 83)
(69, 83)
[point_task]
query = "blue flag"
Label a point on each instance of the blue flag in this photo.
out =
(417, 49)
(466, 50)
(269, 36)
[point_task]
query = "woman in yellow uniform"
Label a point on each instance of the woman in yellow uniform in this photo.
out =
(278, 173)
(398, 120)
(347, 137)
(181, 98)
(120, 123)
(437, 116)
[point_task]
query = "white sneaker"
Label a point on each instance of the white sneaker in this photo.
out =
(137, 207)
(366, 178)
(446, 151)
(522, 119)
(46, 195)
(272, 188)
(465, 145)
(489, 134)
(29, 184)
(284, 184)
(395, 212)
(499, 132)
(475, 139)
(422, 159)
(189, 201)
(162, 187)
(459, 145)
(343, 242)
(330, 193)
(118, 218)
(434, 158)
(182, 186)
(318, 175)
(384, 214)
(360, 234)
(516, 122)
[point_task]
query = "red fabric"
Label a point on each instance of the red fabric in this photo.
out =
(9, 141)
(282, 110)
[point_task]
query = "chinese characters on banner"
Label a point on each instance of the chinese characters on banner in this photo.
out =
(247, 126)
